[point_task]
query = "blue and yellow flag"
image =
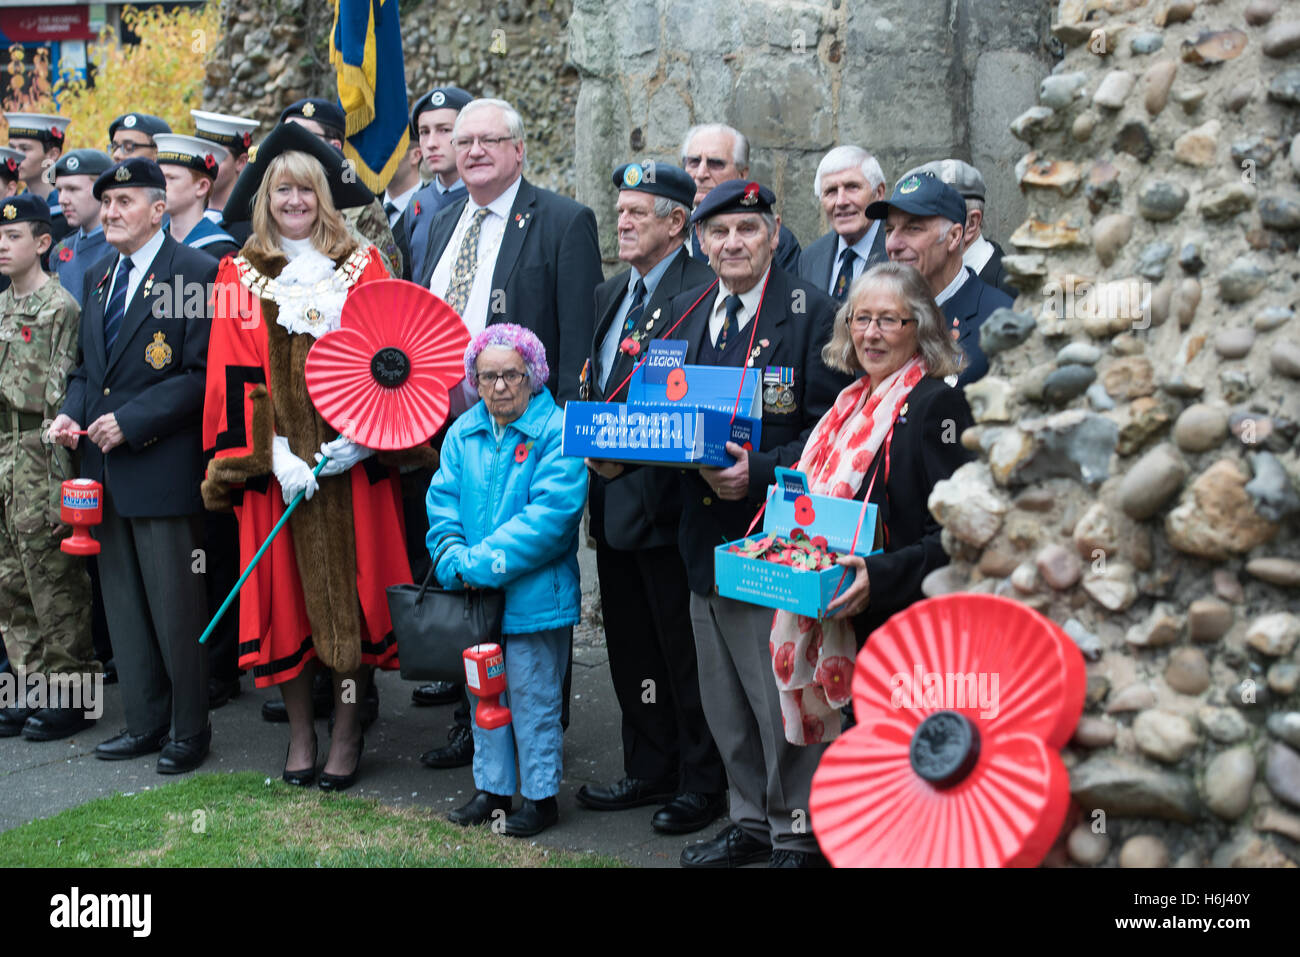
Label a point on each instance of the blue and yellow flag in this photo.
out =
(366, 50)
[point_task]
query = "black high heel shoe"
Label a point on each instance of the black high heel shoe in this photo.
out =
(306, 776)
(341, 782)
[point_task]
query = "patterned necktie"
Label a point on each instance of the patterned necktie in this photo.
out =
(462, 273)
(115, 311)
(846, 275)
(733, 308)
(636, 308)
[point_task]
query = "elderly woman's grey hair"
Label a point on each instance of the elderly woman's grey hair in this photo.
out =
(943, 357)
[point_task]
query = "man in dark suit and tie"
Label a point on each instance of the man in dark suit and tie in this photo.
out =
(138, 388)
(754, 315)
(848, 180)
(668, 753)
(510, 251)
(924, 222)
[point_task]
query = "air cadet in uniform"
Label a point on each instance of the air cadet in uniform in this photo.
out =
(132, 134)
(235, 133)
(432, 120)
(190, 165)
(39, 137)
(75, 174)
(44, 593)
(758, 315)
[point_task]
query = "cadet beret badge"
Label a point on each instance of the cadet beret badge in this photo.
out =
(438, 98)
(10, 212)
(750, 196)
(73, 163)
(911, 186)
(122, 174)
(129, 121)
(309, 110)
(632, 175)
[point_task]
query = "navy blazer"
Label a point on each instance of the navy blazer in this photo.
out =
(925, 449)
(817, 264)
(639, 508)
(153, 382)
(970, 306)
(548, 267)
(796, 321)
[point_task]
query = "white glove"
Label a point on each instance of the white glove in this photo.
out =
(342, 453)
(293, 474)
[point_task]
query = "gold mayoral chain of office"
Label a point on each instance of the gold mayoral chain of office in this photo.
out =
(309, 292)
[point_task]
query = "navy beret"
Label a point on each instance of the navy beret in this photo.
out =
(82, 162)
(140, 122)
(24, 208)
(322, 111)
(922, 194)
(439, 98)
(735, 196)
(661, 179)
(136, 171)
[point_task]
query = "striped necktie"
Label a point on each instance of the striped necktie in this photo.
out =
(733, 309)
(116, 309)
(845, 277)
(462, 273)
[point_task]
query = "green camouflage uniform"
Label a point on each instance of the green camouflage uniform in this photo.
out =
(44, 593)
(370, 225)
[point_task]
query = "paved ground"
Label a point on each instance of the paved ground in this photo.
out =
(41, 779)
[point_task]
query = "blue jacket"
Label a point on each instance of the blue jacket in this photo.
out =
(514, 523)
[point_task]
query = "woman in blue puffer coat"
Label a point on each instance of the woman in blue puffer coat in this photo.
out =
(504, 510)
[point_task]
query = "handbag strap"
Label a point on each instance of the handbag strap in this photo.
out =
(447, 540)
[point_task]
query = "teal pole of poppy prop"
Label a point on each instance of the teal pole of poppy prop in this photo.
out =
(381, 379)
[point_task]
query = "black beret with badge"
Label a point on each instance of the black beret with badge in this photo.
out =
(439, 98)
(346, 190)
(24, 208)
(137, 171)
(734, 196)
(151, 126)
(82, 162)
(313, 108)
(922, 194)
(659, 179)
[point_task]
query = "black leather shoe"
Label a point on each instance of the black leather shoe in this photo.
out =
(110, 672)
(458, 753)
(630, 792)
(307, 775)
(180, 756)
(689, 811)
(731, 848)
(127, 745)
(533, 817)
(783, 858)
(275, 711)
(341, 782)
(436, 692)
(13, 719)
(219, 692)
(480, 809)
(52, 724)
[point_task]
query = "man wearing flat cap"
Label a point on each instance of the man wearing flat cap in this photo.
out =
(669, 757)
(754, 315)
(980, 253)
(137, 390)
(924, 223)
(131, 135)
(75, 174)
(432, 120)
(39, 137)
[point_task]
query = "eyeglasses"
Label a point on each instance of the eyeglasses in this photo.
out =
(512, 378)
(463, 144)
(884, 323)
(128, 147)
(715, 164)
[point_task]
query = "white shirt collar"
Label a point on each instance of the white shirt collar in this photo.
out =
(748, 300)
(143, 257)
(502, 204)
(401, 200)
(978, 254)
(951, 289)
(862, 248)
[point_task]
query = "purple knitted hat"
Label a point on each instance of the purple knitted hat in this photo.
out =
(514, 337)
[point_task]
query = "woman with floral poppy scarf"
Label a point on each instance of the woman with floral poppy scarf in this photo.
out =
(504, 509)
(889, 437)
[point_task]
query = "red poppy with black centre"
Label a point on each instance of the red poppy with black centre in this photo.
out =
(521, 452)
(804, 513)
(65, 255)
(676, 386)
(27, 334)
(629, 346)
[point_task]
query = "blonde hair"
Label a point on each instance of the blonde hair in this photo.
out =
(943, 357)
(329, 234)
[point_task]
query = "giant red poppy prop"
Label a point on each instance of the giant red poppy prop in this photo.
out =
(382, 377)
(947, 768)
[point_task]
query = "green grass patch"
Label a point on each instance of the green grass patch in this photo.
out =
(244, 820)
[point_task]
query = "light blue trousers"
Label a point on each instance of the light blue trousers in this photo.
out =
(535, 664)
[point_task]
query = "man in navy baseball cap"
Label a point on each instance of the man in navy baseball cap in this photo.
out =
(924, 228)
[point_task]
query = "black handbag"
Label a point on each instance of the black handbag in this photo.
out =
(434, 626)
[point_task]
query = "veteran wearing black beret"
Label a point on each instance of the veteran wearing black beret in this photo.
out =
(669, 756)
(138, 389)
(754, 315)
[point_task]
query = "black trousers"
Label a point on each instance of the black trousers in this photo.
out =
(646, 605)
